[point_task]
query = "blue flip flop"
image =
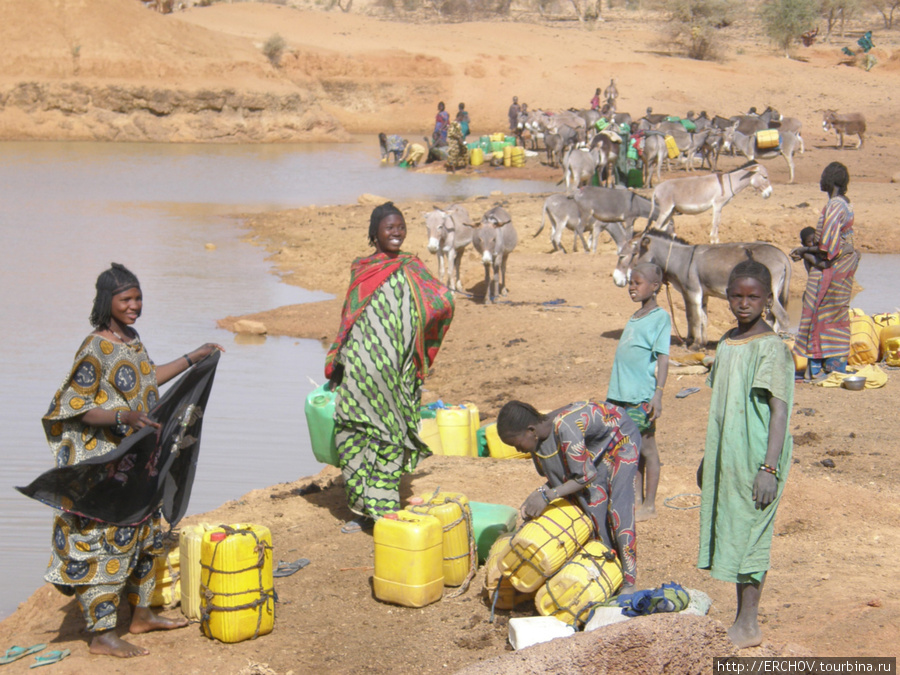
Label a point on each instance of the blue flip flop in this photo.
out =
(55, 656)
(15, 653)
(687, 391)
(286, 569)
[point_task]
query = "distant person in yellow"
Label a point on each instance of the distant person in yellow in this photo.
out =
(413, 154)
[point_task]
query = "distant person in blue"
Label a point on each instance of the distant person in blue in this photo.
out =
(391, 145)
(463, 118)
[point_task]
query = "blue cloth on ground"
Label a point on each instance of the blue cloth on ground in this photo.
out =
(669, 597)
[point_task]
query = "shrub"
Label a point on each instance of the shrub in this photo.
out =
(786, 20)
(274, 49)
(695, 24)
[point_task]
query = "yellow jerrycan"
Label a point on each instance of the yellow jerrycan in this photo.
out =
(497, 448)
(452, 510)
(518, 157)
(672, 147)
(507, 597)
(237, 597)
(409, 562)
(543, 545)
(800, 362)
(476, 157)
(474, 424)
(168, 577)
(864, 340)
(455, 426)
(592, 575)
(890, 345)
(429, 431)
(189, 544)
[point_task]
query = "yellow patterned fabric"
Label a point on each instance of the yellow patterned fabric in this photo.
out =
(875, 377)
(111, 376)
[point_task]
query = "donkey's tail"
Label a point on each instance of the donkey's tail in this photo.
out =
(543, 215)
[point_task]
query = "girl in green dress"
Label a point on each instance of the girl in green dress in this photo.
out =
(748, 449)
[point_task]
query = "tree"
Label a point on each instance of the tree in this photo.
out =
(886, 8)
(838, 11)
(786, 20)
(696, 23)
(586, 10)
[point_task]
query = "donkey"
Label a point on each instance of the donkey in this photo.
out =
(562, 211)
(752, 122)
(449, 232)
(701, 271)
(601, 214)
(553, 144)
(655, 153)
(494, 240)
(746, 145)
(697, 194)
(609, 143)
(848, 123)
(603, 207)
(579, 164)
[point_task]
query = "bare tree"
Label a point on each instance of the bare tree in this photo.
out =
(837, 12)
(587, 10)
(886, 8)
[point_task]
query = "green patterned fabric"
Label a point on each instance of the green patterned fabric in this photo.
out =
(377, 405)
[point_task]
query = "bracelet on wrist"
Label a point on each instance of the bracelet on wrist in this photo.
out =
(769, 469)
(188, 359)
(543, 492)
(659, 388)
(118, 418)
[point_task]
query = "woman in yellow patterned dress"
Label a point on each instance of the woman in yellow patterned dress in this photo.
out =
(107, 393)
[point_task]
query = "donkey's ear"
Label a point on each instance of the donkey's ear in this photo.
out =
(645, 242)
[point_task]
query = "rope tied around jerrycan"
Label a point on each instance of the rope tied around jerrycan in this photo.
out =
(565, 533)
(597, 573)
(465, 515)
(208, 595)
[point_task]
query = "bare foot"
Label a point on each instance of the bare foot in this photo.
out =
(143, 620)
(645, 513)
(745, 636)
(110, 644)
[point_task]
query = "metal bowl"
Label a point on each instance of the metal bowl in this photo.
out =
(855, 382)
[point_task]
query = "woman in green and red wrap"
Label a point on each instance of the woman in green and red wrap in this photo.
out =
(394, 319)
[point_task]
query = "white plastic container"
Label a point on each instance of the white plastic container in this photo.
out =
(531, 630)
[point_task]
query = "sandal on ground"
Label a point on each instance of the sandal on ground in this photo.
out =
(286, 569)
(361, 524)
(687, 391)
(16, 653)
(55, 656)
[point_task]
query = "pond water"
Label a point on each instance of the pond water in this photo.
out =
(69, 209)
(877, 275)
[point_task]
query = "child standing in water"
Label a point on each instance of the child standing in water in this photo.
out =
(748, 448)
(638, 378)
